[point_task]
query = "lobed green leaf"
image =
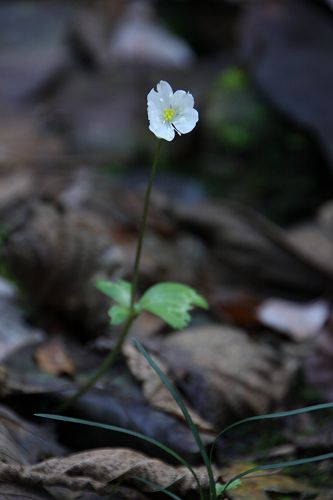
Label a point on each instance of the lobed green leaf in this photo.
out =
(172, 302)
(119, 291)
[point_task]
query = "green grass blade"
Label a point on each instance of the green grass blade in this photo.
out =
(280, 465)
(269, 416)
(114, 428)
(177, 397)
(157, 487)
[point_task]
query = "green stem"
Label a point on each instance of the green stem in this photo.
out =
(107, 363)
(113, 355)
(143, 224)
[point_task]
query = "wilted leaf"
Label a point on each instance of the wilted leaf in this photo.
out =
(224, 374)
(172, 302)
(100, 470)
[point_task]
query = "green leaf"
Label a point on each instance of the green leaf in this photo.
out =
(119, 291)
(171, 302)
(118, 314)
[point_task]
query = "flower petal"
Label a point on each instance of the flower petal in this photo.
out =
(182, 100)
(153, 100)
(186, 121)
(162, 130)
(165, 93)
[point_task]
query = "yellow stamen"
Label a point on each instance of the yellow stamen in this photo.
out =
(169, 114)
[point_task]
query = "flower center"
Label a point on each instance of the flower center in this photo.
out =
(169, 114)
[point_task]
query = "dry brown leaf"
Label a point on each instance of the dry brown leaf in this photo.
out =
(98, 470)
(52, 358)
(224, 374)
(155, 391)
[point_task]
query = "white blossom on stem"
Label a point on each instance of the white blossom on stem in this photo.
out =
(170, 111)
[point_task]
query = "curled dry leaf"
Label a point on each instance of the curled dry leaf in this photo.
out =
(99, 470)
(155, 391)
(224, 374)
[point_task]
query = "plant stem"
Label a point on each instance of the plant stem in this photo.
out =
(143, 224)
(107, 363)
(113, 354)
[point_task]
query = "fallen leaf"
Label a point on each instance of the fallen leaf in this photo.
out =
(100, 470)
(294, 71)
(224, 374)
(299, 321)
(15, 332)
(318, 366)
(53, 358)
(262, 484)
(139, 38)
(155, 391)
(8, 490)
(22, 442)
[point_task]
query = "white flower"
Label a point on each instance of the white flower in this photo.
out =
(169, 112)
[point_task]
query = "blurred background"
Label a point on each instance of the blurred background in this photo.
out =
(74, 76)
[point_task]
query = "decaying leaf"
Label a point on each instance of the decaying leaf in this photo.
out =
(15, 332)
(8, 490)
(262, 485)
(252, 251)
(99, 470)
(155, 391)
(22, 442)
(53, 358)
(224, 374)
(302, 61)
(55, 255)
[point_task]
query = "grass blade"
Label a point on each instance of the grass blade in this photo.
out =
(280, 465)
(175, 394)
(269, 416)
